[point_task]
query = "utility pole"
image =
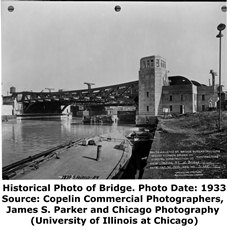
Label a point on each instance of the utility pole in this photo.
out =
(220, 35)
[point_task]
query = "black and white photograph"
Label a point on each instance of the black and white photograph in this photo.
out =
(113, 90)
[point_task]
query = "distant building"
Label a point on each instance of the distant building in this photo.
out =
(7, 107)
(223, 100)
(122, 113)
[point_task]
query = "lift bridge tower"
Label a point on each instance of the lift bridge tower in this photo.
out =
(152, 76)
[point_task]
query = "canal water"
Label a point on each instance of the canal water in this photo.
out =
(23, 138)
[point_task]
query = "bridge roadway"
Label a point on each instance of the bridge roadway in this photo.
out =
(114, 95)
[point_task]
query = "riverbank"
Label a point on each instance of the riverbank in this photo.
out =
(189, 146)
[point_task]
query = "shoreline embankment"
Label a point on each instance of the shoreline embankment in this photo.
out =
(188, 147)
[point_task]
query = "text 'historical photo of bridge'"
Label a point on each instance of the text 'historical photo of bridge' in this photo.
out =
(114, 91)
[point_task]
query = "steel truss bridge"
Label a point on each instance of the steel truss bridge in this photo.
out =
(125, 94)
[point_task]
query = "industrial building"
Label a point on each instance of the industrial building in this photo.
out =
(185, 96)
(160, 94)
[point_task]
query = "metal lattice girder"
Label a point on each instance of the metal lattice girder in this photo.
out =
(108, 95)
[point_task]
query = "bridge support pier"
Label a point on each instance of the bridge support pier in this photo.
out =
(144, 120)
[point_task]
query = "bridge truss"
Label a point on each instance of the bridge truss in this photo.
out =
(125, 94)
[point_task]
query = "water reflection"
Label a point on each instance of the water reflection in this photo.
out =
(23, 138)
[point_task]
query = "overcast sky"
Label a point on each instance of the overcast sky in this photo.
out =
(61, 45)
